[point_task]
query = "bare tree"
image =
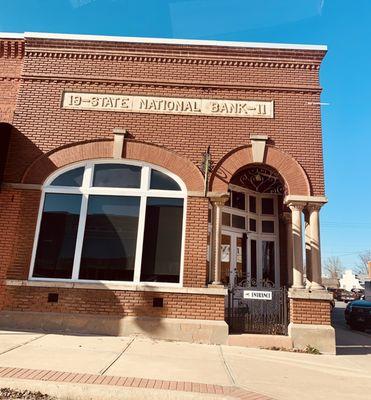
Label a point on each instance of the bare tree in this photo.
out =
(333, 267)
(363, 258)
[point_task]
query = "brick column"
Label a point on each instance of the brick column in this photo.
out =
(310, 320)
(216, 238)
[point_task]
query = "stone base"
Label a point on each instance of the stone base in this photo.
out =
(260, 341)
(321, 337)
(186, 330)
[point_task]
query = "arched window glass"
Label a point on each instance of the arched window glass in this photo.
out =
(111, 221)
(70, 178)
(159, 180)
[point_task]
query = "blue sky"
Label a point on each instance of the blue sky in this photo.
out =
(345, 26)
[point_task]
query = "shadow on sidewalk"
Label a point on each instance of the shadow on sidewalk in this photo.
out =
(349, 342)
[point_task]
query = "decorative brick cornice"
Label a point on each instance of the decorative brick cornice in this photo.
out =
(11, 48)
(229, 61)
(207, 85)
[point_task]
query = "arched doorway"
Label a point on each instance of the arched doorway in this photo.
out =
(250, 240)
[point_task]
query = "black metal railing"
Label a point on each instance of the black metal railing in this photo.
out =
(255, 315)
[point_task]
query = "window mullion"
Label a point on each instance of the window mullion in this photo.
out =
(141, 223)
(82, 221)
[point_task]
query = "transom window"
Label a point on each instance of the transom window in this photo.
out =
(111, 221)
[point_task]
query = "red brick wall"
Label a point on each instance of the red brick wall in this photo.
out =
(11, 61)
(317, 312)
(290, 78)
(113, 302)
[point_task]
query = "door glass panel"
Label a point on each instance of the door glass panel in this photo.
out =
(110, 238)
(226, 219)
(162, 240)
(268, 226)
(252, 204)
(252, 225)
(238, 221)
(253, 260)
(117, 175)
(225, 259)
(268, 261)
(267, 206)
(238, 200)
(57, 237)
(241, 259)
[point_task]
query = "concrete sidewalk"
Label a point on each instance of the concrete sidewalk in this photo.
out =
(83, 367)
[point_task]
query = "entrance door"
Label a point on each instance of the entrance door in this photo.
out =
(233, 258)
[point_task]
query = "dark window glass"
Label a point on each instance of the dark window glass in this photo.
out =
(238, 200)
(162, 240)
(70, 178)
(253, 263)
(252, 204)
(238, 221)
(268, 226)
(162, 181)
(209, 215)
(228, 202)
(117, 175)
(226, 219)
(252, 225)
(110, 238)
(267, 206)
(268, 261)
(57, 237)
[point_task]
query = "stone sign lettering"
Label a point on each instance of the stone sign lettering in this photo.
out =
(167, 105)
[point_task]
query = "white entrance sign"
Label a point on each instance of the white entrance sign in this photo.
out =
(167, 105)
(257, 295)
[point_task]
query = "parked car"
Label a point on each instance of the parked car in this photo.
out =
(344, 295)
(358, 314)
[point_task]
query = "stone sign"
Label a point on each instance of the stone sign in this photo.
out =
(257, 295)
(167, 105)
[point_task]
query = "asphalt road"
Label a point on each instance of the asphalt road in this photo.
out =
(349, 342)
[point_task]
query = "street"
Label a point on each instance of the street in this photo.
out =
(349, 342)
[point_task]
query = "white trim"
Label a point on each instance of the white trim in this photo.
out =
(122, 286)
(171, 41)
(86, 189)
(305, 199)
(11, 35)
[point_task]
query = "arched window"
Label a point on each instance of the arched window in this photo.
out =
(111, 221)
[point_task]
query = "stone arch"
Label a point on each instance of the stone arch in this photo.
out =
(43, 166)
(292, 173)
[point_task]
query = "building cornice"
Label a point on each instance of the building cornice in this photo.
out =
(187, 59)
(206, 85)
(11, 48)
(172, 41)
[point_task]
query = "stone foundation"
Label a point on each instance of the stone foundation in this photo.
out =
(186, 330)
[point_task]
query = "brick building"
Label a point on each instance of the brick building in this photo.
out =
(140, 178)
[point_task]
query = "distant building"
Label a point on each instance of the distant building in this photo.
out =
(349, 281)
(330, 283)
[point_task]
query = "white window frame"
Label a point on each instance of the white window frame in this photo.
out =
(86, 189)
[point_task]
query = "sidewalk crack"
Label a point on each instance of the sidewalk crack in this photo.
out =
(22, 344)
(105, 369)
(227, 367)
